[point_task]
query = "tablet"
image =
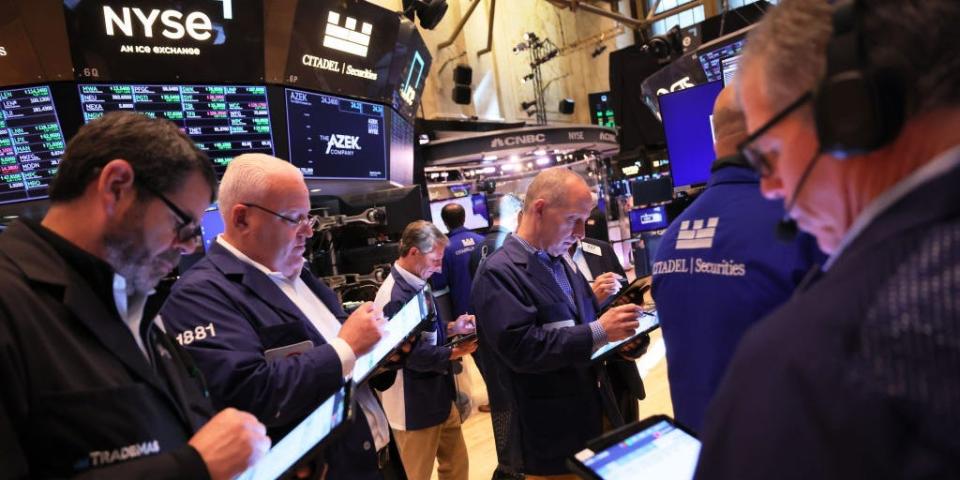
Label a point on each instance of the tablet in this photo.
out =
(407, 321)
(648, 322)
(305, 440)
(457, 340)
(633, 293)
(656, 447)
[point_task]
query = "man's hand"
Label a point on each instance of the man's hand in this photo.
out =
(605, 286)
(463, 349)
(620, 322)
(363, 328)
(230, 442)
(463, 325)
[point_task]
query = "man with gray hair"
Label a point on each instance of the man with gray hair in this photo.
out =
(538, 326)
(420, 405)
(854, 111)
(266, 333)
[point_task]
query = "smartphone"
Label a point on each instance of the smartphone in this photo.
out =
(457, 340)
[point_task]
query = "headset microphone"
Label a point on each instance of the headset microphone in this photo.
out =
(786, 230)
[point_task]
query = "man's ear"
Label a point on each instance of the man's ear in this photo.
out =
(538, 206)
(238, 217)
(115, 185)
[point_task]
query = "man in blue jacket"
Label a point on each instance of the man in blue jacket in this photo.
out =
(420, 404)
(713, 286)
(538, 327)
(266, 333)
(854, 112)
(455, 278)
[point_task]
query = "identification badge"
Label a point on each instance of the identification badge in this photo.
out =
(591, 249)
(558, 325)
(288, 351)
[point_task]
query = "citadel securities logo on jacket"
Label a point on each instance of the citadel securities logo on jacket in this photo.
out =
(699, 234)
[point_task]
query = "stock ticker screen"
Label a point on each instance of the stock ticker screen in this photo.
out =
(31, 143)
(335, 137)
(224, 121)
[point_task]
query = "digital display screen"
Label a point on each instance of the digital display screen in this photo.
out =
(308, 434)
(333, 137)
(409, 69)
(475, 207)
(401, 149)
(647, 219)
(224, 121)
(211, 225)
(166, 41)
(710, 60)
(400, 326)
(342, 47)
(601, 112)
(661, 451)
(687, 116)
(31, 143)
(729, 68)
(648, 321)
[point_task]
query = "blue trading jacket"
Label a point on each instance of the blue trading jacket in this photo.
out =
(718, 270)
(249, 314)
(456, 273)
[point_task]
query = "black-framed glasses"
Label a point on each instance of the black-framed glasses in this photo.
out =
(755, 157)
(186, 229)
(311, 221)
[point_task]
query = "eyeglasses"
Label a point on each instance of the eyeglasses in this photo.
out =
(755, 157)
(186, 230)
(311, 221)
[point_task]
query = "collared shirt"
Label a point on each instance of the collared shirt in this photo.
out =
(941, 164)
(581, 263)
(597, 332)
(329, 327)
(130, 305)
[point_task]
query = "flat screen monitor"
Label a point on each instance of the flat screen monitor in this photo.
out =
(31, 143)
(337, 138)
(223, 120)
(601, 112)
(729, 68)
(651, 189)
(401, 149)
(655, 447)
(211, 224)
(647, 219)
(409, 69)
(475, 207)
(710, 60)
(687, 116)
(401, 325)
(306, 438)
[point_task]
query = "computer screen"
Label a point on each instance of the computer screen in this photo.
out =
(335, 137)
(661, 451)
(687, 126)
(224, 121)
(302, 439)
(729, 68)
(212, 225)
(31, 143)
(647, 219)
(401, 149)
(475, 206)
(601, 112)
(710, 59)
(649, 189)
(399, 327)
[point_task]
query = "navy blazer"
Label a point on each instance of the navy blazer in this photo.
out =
(428, 386)
(537, 347)
(856, 375)
(242, 314)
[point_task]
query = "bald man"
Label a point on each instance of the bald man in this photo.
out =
(709, 293)
(538, 326)
(265, 332)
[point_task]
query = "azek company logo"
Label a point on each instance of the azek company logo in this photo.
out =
(346, 38)
(697, 233)
(342, 144)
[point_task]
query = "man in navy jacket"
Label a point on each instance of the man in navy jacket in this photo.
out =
(455, 278)
(264, 331)
(856, 375)
(538, 326)
(420, 404)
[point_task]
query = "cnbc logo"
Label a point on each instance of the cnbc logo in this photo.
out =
(346, 38)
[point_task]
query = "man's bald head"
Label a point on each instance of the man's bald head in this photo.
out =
(555, 186)
(250, 178)
(729, 126)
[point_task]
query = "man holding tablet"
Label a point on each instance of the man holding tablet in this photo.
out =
(267, 334)
(537, 322)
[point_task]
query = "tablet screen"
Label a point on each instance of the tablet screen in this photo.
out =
(661, 451)
(400, 326)
(648, 321)
(307, 435)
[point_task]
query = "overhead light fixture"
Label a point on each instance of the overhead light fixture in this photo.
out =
(489, 158)
(541, 152)
(514, 158)
(430, 12)
(543, 161)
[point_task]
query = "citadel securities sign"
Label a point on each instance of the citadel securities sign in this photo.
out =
(164, 40)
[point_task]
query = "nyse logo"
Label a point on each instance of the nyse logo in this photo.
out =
(575, 135)
(697, 233)
(346, 38)
(196, 25)
(342, 142)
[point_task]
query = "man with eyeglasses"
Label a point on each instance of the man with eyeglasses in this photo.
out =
(269, 336)
(854, 109)
(709, 293)
(92, 385)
